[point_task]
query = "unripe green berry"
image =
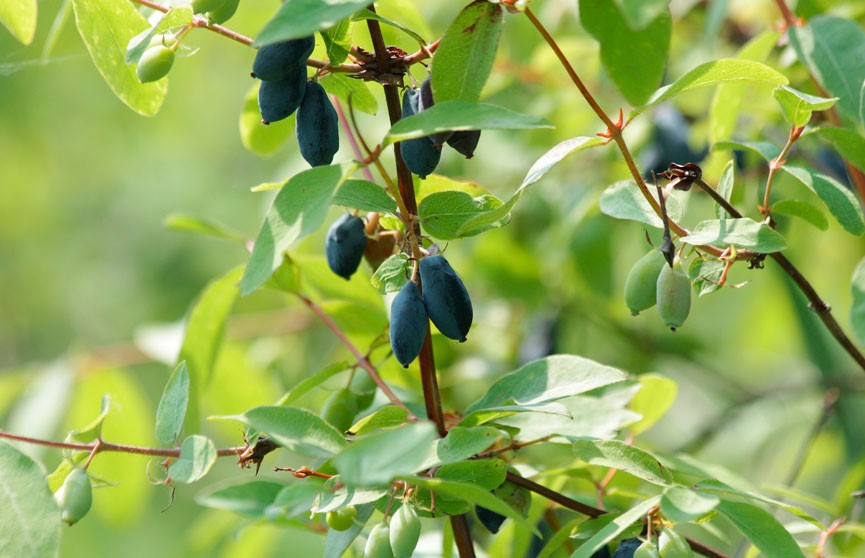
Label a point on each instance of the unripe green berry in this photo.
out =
(404, 532)
(674, 295)
(155, 63)
(224, 12)
(378, 543)
(75, 496)
(641, 286)
(340, 409)
(341, 519)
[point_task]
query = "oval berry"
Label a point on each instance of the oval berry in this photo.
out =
(674, 295)
(426, 101)
(420, 155)
(344, 245)
(341, 519)
(224, 12)
(641, 286)
(378, 543)
(339, 409)
(201, 6)
(404, 532)
(408, 324)
(277, 61)
(317, 126)
(75, 496)
(278, 100)
(465, 142)
(155, 63)
(447, 301)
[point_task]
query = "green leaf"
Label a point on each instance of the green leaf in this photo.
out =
(301, 18)
(802, 210)
(726, 70)
(849, 144)
(634, 59)
(249, 498)
(763, 530)
(311, 382)
(729, 493)
(639, 14)
(391, 274)
(388, 416)
(337, 42)
(729, 97)
(294, 500)
(94, 429)
(298, 210)
(197, 456)
(350, 90)
(462, 443)
(797, 106)
(106, 26)
(840, 201)
(559, 538)
(172, 406)
(742, 233)
(619, 455)
(175, 17)
(474, 495)
(337, 542)
(263, 140)
(202, 336)
(655, 397)
(857, 310)
(551, 158)
(19, 17)
(366, 14)
(443, 214)
(364, 195)
(681, 504)
(461, 115)
(725, 187)
(612, 529)
(548, 379)
(833, 49)
(337, 495)
(295, 429)
(377, 458)
(623, 200)
(465, 55)
(764, 149)
(188, 223)
(29, 518)
(705, 274)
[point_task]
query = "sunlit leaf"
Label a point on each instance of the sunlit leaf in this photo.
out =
(840, 201)
(172, 405)
(742, 233)
(301, 18)
(19, 17)
(197, 456)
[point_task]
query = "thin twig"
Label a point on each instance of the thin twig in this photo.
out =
(107, 446)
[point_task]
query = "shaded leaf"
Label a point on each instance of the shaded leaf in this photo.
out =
(615, 527)
(840, 201)
(857, 310)
(364, 195)
(725, 187)
(764, 149)
(706, 274)
(462, 443)
(682, 504)
(172, 406)
(367, 14)
(301, 18)
(802, 210)
(337, 495)
(623, 200)
(742, 233)
(388, 416)
(377, 458)
(763, 530)
(337, 42)
(249, 498)
(197, 456)
(465, 55)
(188, 223)
(639, 13)
(619, 455)
(350, 90)
(443, 214)
(310, 382)
(263, 140)
(849, 144)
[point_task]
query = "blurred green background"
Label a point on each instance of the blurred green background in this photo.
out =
(94, 287)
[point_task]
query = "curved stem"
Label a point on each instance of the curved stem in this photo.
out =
(101, 446)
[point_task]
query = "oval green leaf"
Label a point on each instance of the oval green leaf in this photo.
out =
(742, 233)
(840, 201)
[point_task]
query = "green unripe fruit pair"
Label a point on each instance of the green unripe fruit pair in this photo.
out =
(420, 155)
(155, 63)
(317, 126)
(224, 12)
(278, 100)
(674, 295)
(344, 245)
(378, 543)
(75, 496)
(673, 545)
(340, 409)
(408, 324)
(404, 531)
(278, 61)
(447, 301)
(641, 286)
(341, 519)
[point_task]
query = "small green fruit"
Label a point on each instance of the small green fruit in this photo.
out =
(674, 295)
(673, 545)
(404, 531)
(201, 6)
(223, 13)
(340, 409)
(75, 496)
(155, 63)
(341, 519)
(378, 543)
(641, 286)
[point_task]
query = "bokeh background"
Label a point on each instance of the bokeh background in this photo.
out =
(95, 288)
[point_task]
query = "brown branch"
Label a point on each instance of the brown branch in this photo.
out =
(590, 511)
(107, 446)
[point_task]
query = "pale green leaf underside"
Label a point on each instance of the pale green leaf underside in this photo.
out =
(19, 17)
(742, 233)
